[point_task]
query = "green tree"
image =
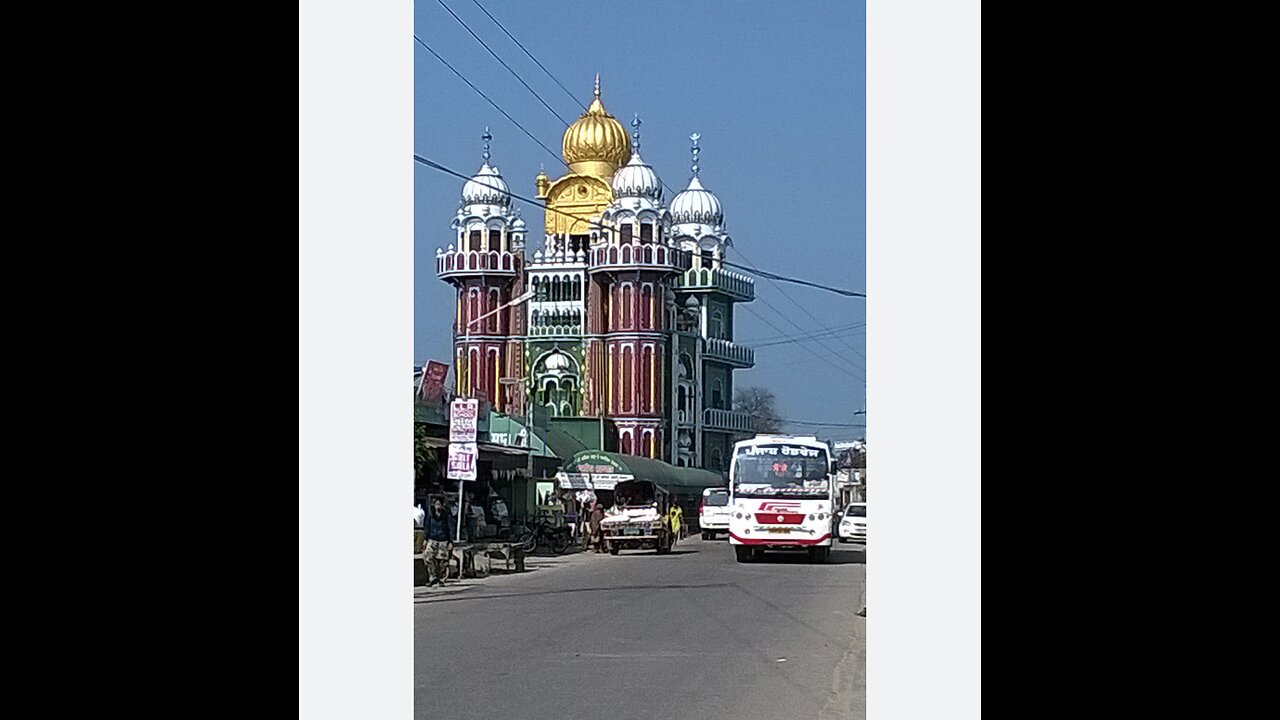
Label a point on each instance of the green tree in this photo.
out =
(425, 459)
(761, 405)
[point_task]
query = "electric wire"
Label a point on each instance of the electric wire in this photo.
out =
(491, 102)
(599, 226)
(531, 57)
(504, 64)
(807, 312)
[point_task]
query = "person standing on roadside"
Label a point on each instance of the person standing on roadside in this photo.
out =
(597, 532)
(439, 547)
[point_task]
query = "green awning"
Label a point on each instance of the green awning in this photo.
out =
(602, 470)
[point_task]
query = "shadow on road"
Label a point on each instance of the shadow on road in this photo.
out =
(578, 590)
(837, 557)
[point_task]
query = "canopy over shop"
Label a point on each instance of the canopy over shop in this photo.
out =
(601, 471)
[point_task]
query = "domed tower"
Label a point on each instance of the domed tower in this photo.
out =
(486, 266)
(631, 261)
(594, 147)
(703, 313)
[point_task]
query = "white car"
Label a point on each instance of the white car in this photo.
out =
(853, 524)
(713, 512)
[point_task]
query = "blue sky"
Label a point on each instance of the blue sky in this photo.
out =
(777, 92)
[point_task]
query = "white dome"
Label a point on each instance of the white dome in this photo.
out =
(557, 363)
(486, 188)
(696, 205)
(636, 179)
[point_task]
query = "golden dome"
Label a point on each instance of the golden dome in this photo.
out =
(596, 143)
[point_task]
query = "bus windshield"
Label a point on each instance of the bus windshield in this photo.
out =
(780, 470)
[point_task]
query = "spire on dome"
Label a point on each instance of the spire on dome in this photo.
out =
(694, 137)
(486, 137)
(635, 136)
(597, 84)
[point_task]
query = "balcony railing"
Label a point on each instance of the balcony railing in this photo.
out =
(714, 419)
(727, 352)
(638, 256)
(453, 263)
(738, 286)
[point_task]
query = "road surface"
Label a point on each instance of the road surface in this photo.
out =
(642, 636)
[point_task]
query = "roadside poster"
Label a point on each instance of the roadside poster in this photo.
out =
(462, 420)
(462, 461)
(432, 386)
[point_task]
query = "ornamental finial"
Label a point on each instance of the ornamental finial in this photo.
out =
(635, 136)
(695, 137)
(597, 84)
(486, 137)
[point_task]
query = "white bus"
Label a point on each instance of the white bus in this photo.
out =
(781, 496)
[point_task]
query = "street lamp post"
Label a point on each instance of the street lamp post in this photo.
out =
(466, 345)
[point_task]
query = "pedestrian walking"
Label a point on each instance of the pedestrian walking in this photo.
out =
(439, 548)
(597, 533)
(677, 520)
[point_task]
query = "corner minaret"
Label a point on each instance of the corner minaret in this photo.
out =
(485, 264)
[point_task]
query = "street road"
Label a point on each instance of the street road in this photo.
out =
(644, 636)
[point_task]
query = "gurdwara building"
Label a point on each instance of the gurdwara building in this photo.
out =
(631, 325)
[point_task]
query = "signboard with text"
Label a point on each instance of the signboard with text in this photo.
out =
(462, 420)
(462, 461)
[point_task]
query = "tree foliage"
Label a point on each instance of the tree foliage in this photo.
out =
(424, 458)
(761, 405)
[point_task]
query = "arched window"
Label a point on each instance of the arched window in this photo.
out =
(626, 253)
(646, 301)
(474, 308)
(717, 324)
(646, 380)
(707, 259)
(475, 240)
(648, 443)
(646, 233)
(534, 319)
(717, 395)
(626, 233)
(625, 442)
(493, 303)
(626, 306)
(577, 288)
(628, 367)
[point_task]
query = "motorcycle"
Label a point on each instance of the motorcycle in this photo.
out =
(556, 538)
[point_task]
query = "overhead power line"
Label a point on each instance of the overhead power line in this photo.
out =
(769, 338)
(491, 102)
(531, 57)
(599, 226)
(787, 295)
(785, 341)
(504, 64)
(802, 345)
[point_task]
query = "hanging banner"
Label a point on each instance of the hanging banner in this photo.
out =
(431, 389)
(462, 461)
(462, 420)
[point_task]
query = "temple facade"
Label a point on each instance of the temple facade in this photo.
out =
(629, 319)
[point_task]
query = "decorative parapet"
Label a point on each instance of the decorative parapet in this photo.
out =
(558, 259)
(638, 256)
(714, 419)
(454, 263)
(736, 285)
(727, 352)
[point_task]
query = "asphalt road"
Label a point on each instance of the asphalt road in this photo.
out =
(693, 634)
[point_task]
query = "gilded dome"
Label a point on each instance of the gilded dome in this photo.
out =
(596, 143)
